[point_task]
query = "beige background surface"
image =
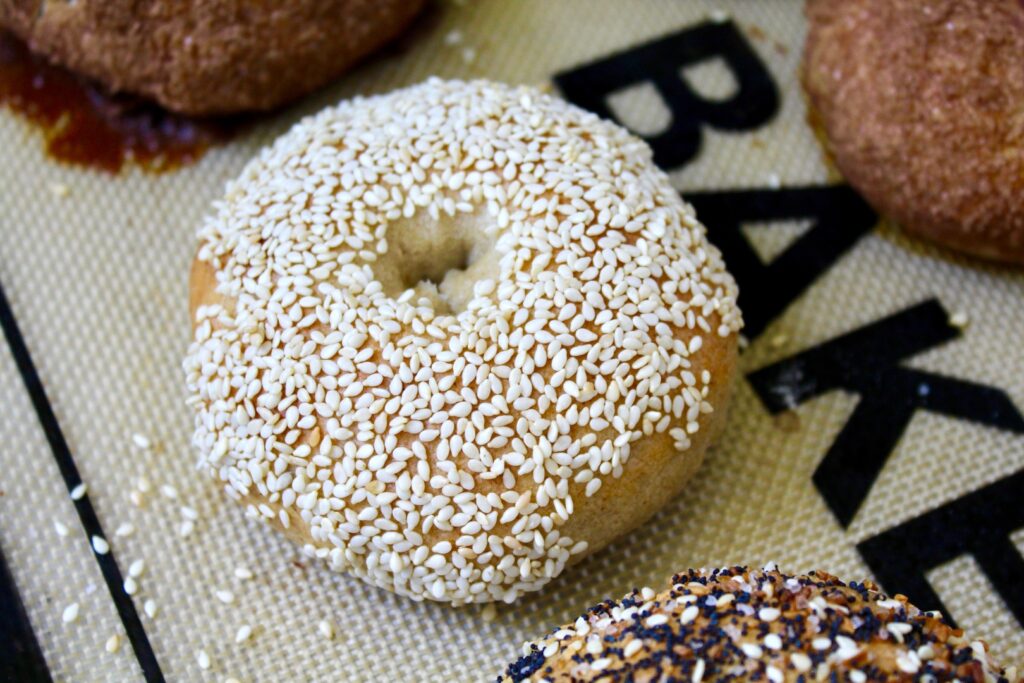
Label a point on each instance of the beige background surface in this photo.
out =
(97, 281)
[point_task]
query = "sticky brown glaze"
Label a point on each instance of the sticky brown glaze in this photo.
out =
(84, 125)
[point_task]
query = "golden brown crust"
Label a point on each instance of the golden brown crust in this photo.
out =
(206, 58)
(617, 508)
(742, 625)
(923, 107)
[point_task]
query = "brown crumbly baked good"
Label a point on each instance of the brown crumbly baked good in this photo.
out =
(737, 624)
(922, 104)
(208, 57)
(500, 342)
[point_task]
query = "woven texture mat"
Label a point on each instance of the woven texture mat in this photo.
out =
(854, 370)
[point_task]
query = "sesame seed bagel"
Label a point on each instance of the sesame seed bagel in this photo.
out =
(453, 338)
(738, 624)
(922, 106)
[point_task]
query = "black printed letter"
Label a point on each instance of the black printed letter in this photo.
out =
(840, 216)
(755, 102)
(867, 362)
(978, 524)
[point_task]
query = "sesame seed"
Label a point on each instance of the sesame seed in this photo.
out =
(61, 529)
(907, 663)
(899, 629)
(141, 441)
(100, 545)
(131, 587)
(632, 648)
(689, 614)
(801, 662)
(70, 613)
(326, 629)
(768, 614)
(821, 643)
(169, 492)
(113, 644)
(243, 573)
(959, 320)
(79, 491)
(125, 529)
(772, 641)
(203, 659)
(751, 650)
(243, 634)
(149, 607)
(698, 672)
(136, 568)
(657, 620)
(186, 528)
(225, 596)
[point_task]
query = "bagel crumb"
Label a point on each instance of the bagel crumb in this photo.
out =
(59, 189)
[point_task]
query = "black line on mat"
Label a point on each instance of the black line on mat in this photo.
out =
(21, 659)
(90, 522)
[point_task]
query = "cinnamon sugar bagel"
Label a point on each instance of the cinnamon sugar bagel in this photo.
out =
(208, 57)
(737, 624)
(922, 105)
(454, 338)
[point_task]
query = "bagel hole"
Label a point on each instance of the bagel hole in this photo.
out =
(439, 260)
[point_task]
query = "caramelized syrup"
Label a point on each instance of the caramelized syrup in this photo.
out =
(84, 125)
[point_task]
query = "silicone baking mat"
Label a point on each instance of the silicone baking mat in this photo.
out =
(876, 429)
